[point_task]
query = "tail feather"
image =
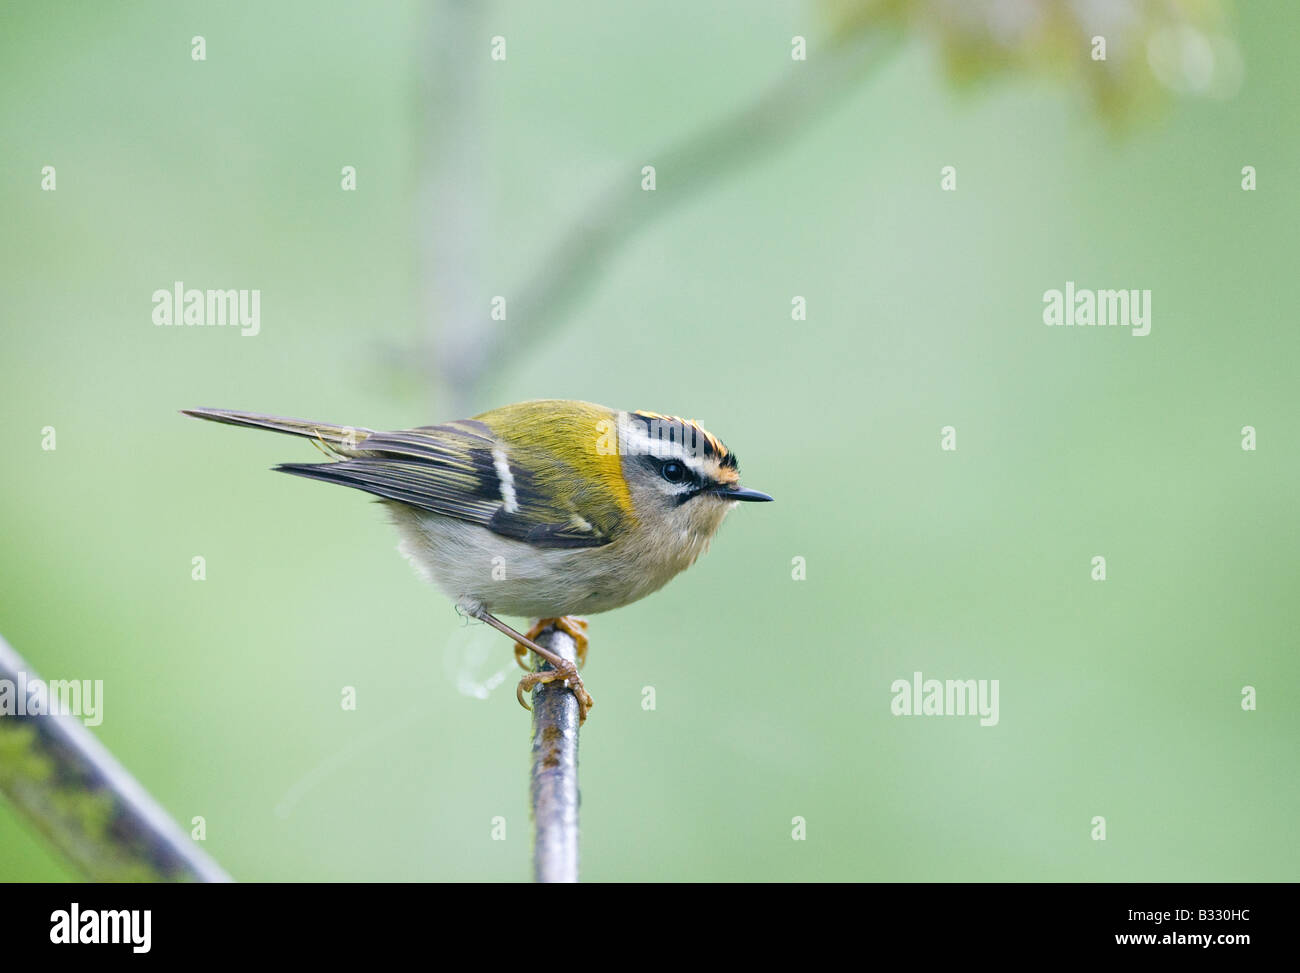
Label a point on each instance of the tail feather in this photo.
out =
(340, 439)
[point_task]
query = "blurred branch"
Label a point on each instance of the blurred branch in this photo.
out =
(473, 342)
(1153, 43)
(686, 168)
(448, 212)
(555, 770)
(63, 779)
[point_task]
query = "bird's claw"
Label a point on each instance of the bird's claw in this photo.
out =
(566, 673)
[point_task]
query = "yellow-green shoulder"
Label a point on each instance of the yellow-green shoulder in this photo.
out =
(581, 435)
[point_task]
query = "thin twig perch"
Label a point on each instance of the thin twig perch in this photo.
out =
(66, 782)
(555, 770)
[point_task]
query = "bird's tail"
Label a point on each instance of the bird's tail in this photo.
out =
(335, 440)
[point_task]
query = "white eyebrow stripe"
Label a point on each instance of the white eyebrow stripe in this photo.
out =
(696, 465)
(635, 440)
(507, 479)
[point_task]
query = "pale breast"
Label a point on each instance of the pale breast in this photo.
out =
(475, 566)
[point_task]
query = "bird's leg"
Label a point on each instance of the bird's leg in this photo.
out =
(562, 669)
(571, 625)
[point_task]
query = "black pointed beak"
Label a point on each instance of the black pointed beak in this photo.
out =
(737, 493)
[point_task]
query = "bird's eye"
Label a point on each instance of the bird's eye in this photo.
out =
(673, 472)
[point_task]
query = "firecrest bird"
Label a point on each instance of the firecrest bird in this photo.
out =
(548, 509)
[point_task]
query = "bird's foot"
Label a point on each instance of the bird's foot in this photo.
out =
(566, 671)
(561, 668)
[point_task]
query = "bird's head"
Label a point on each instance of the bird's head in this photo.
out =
(681, 477)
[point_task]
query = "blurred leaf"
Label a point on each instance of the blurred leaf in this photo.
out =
(1152, 47)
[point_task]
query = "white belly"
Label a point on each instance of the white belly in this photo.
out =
(476, 567)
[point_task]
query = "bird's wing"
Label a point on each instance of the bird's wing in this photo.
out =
(462, 470)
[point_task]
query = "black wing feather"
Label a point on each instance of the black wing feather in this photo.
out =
(451, 470)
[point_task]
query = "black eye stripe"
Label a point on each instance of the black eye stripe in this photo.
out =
(690, 483)
(674, 471)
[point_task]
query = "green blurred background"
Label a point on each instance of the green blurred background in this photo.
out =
(1119, 699)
